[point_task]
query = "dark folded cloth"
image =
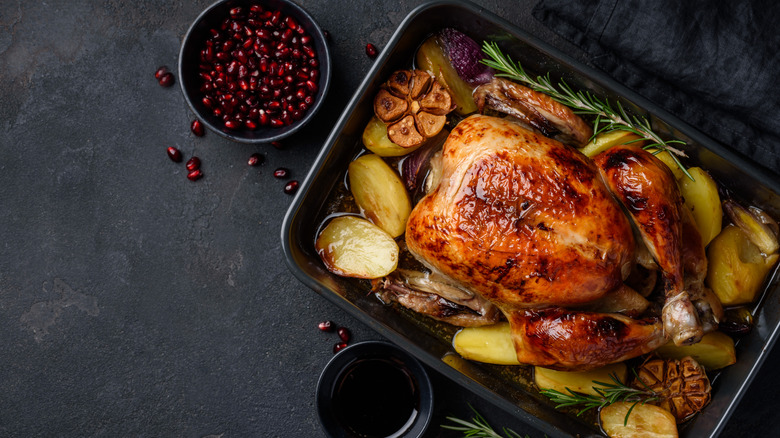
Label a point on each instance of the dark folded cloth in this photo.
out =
(713, 64)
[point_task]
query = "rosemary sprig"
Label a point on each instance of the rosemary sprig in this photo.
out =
(478, 427)
(608, 393)
(607, 117)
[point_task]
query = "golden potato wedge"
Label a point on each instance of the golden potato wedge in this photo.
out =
(489, 344)
(375, 140)
(604, 141)
(701, 197)
(578, 381)
(431, 58)
(667, 158)
(737, 268)
(379, 193)
(714, 351)
(354, 247)
(645, 421)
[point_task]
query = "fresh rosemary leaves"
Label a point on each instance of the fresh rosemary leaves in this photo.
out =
(478, 427)
(607, 117)
(608, 393)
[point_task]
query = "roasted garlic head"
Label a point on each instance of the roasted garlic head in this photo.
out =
(683, 385)
(414, 106)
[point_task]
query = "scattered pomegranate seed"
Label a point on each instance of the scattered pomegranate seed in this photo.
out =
(255, 160)
(338, 347)
(281, 173)
(258, 68)
(326, 326)
(291, 187)
(344, 334)
(277, 144)
(166, 80)
(195, 175)
(160, 72)
(327, 34)
(371, 50)
(197, 128)
(193, 164)
(174, 154)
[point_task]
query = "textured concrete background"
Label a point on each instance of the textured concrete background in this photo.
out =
(134, 302)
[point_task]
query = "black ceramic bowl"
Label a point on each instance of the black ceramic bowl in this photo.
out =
(376, 385)
(189, 61)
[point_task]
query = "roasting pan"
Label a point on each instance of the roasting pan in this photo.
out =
(507, 387)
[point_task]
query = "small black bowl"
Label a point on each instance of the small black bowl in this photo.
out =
(189, 61)
(375, 385)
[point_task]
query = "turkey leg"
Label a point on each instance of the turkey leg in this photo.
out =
(648, 191)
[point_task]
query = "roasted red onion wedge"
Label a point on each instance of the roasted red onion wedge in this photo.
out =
(466, 56)
(415, 165)
(758, 232)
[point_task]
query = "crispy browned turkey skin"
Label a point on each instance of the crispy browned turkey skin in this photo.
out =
(647, 188)
(527, 223)
(521, 219)
(535, 109)
(561, 339)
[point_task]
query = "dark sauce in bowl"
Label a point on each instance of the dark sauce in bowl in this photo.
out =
(376, 397)
(374, 389)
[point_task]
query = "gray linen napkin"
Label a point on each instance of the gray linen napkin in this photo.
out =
(714, 64)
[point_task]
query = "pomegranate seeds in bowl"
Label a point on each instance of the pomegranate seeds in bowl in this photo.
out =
(258, 68)
(254, 71)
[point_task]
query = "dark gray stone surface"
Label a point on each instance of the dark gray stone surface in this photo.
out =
(134, 302)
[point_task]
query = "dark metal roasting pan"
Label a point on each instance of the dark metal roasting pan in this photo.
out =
(431, 342)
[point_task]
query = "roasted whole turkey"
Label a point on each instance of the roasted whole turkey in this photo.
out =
(526, 224)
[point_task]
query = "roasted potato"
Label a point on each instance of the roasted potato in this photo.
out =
(379, 193)
(737, 268)
(489, 344)
(578, 381)
(701, 197)
(354, 247)
(375, 140)
(606, 140)
(714, 351)
(667, 158)
(645, 421)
